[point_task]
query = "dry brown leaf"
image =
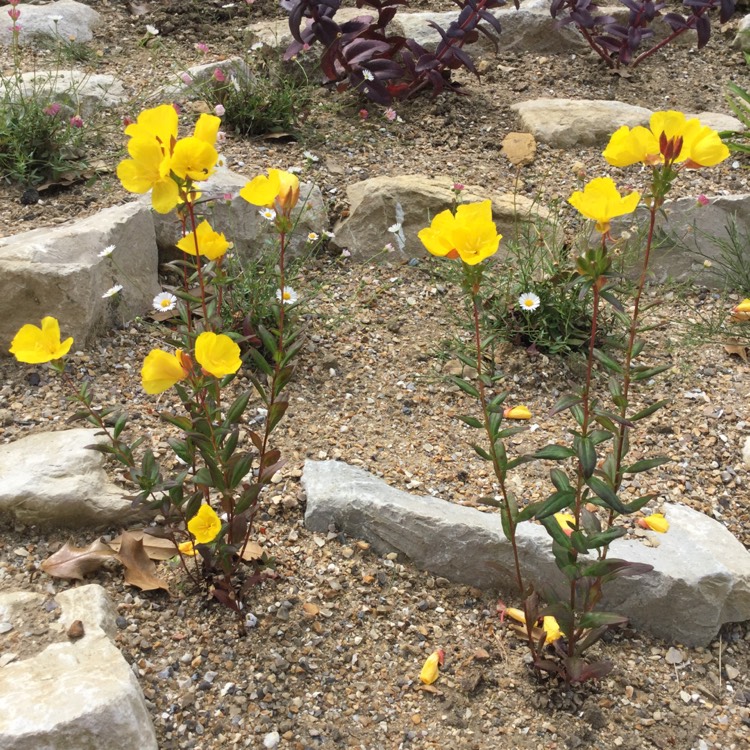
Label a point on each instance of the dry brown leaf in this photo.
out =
(139, 570)
(736, 348)
(157, 548)
(252, 551)
(310, 609)
(76, 562)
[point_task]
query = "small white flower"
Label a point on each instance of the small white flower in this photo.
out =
(312, 237)
(267, 213)
(367, 75)
(394, 228)
(55, 19)
(112, 291)
(345, 253)
(295, 170)
(389, 247)
(221, 137)
(219, 110)
(152, 30)
(287, 297)
(529, 301)
(328, 235)
(255, 47)
(107, 251)
(165, 301)
(310, 156)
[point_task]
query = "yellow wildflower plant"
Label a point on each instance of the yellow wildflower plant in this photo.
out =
(205, 525)
(700, 145)
(217, 354)
(159, 123)
(601, 202)
(161, 370)
(34, 345)
(204, 241)
(193, 159)
(149, 169)
(278, 188)
(470, 234)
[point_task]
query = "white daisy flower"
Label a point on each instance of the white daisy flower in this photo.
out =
(107, 251)
(287, 297)
(255, 47)
(112, 291)
(310, 156)
(165, 301)
(529, 301)
(328, 235)
(152, 30)
(295, 170)
(312, 237)
(367, 75)
(395, 228)
(267, 213)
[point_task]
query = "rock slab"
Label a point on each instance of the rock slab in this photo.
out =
(51, 478)
(701, 576)
(76, 21)
(73, 694)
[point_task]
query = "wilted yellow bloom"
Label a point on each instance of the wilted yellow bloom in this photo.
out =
(205, 525)
(431, 668)
(470, 234)
(149, 168)
(743, 307)
(655, 522)
(187, 548)
(279, 188)
(549, 624)
(161, 370)
(567, 522)
(34, 345)
(601, 202)
(217, 354)
(517, 412)
(701, 146)
(209, 243)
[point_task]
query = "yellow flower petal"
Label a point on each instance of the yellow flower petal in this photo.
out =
(549, 624)
(601, 202)
(34, 345)
(437, 238)
(517, 412)
(279, 188)
(206, 128)
(744, 306)
(193, 158)
(567, 522)
(159, 123)
(655, 522)
(431, 668)
(209, 243)
(217, 354)
(161, 370)
(205, 525)
(187, 548)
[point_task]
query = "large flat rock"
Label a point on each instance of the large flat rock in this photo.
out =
(701, 576)
(76, 21)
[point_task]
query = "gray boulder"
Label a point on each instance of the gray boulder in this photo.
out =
(78, 694)
(701, 576)
(51, 478)
(58, 271)
(76, 21)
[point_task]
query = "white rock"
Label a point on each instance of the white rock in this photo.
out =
(78, 22)
(701, 576)
(57, 271)
(565, 123)
(742, 40)
(271, 740)
(52, 478)
(78, 694)
(746, 451)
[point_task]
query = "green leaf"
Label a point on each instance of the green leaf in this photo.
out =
(648, 372)
(638, 345)
(636, 505)
(613, 567)
(489, 500)
(565, 402)
(599, 619)
(248, 498)
(203, 477)
(579, 541)
(464, 385)
(122, 420)
(505, 522)
(481, 452)
(283, 377)
(509, 431)
(529, 511)
(599, 436)
(555, 452)
(237, 409)
(555, 531)
(606, 493)
(471, 421)
(556, 502)
(646, 464)
(607, 361)
(586, 453)
(578, 414)
(612, 301)
(594, 541)
(560, 479)
(498, 401)
(239, 467)
(181, 423)
(649, 410)
(269, 341)
(181, 449)
(495, 422)
(230, 444)
(260, 362)
(275, 412)
(563, 614)
(466, 359)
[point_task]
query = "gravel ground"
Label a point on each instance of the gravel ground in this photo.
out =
(343, 671)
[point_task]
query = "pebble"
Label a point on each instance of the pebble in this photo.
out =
(732, 672)
(5, 627)
(271, 740)
(674, 656)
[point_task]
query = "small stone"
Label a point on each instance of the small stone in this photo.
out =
(6, 659)
(674, 656)
(416, 719)
(685, 696)
(271, 740)
(5, 627)
(76, 630)
(732, 672)
(310, 610)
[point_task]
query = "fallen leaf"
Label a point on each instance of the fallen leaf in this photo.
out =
(739, 349)
(139, 570)
(157, 548)
(76, 562)
(252, 551)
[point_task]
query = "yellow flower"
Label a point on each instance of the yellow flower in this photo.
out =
(205, 525)
(431, 668)
(280, 188)
(517, 412)
(193, 158)
(701, 146)
(187, 548)
(470, 235)
(206, 128)
(655, 522)
(567, 521)
(34, 345)
(161, 370)
(159, 123)
(149, 169)
(217, 354)
(209, 243)
(600, 202)
(550, 625)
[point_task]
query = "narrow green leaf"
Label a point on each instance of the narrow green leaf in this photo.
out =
(481, 452)
(649, 372)
(203, 477)
(560, 479)
(248, 498)
(606, 493)
(605, 538)
(464, 385)
(122, 420)
(488, 500)
(649, 410)
(599, 619)
(236, 410)
(555, 503)
(565, 402)
(505, 522)
(239, 467)
(181, 423)
(607, 361)
(268, 339)
(636, 505)
(646, 464)
(555, 452)
(600, 436)
(467, 360)
(577, 411)
(181, 449)
(586, 453)
(471, 421)
(638, 345)
(555, 531)
(275, 413)
(260, 362)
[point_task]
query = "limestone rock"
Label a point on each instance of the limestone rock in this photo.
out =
(201, 75)
(57, 271)
(79, 93)
(240, 221)
(742, 40)
(52, 478)
(392, 210)
(699, 567)
(77, 22)
(79, 694)
(565, 123)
